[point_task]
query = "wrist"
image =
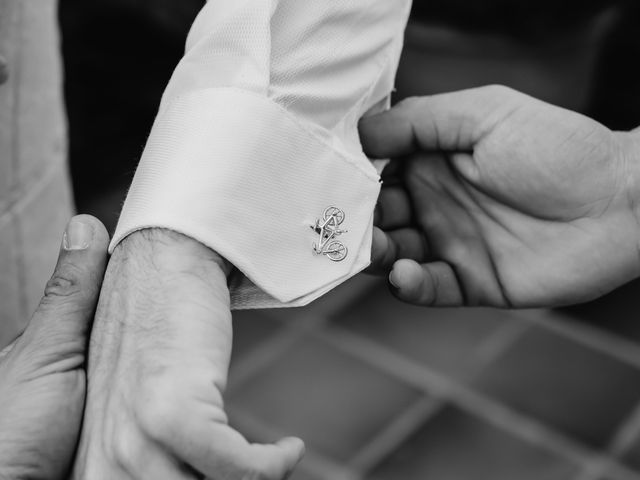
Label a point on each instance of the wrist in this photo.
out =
(151, 268)
(150, 243)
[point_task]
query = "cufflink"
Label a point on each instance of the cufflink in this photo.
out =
(328, 229)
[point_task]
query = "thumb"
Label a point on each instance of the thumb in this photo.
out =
(451, 121)
(62, 320)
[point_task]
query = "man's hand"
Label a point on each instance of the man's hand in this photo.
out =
(158, 365)
(42, 377)
(507, 201)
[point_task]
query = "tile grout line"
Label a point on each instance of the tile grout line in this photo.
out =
(623, 440)
(484, 408)
(596, 471)
(500, 340)
(604, 342)
(395, 434)
(626, 434)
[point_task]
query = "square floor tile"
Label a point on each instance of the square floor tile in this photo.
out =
(567, 385)
(445, 339)
(332, 400)
(457, 446)
(615, 312)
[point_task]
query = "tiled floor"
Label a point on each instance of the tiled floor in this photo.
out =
(456, 445)
(380, 390)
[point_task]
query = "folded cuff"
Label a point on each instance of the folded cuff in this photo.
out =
(240, 174)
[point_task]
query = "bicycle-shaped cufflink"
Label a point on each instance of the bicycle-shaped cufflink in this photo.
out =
(328, 230)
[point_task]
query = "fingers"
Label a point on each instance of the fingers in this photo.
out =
(393, 209)
(66, 310)
(277, 460)
(221, 452)
(432, 284)
(388, 247)
(451, 121)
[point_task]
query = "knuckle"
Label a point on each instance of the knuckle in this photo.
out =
(499, 90)
(124, 447)
(65, 282)
(409, 102)
(430, 295)
(123, 454)
(158, 410)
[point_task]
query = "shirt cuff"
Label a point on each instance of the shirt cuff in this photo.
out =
(240, 174)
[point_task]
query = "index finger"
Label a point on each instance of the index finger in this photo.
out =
(451, 122)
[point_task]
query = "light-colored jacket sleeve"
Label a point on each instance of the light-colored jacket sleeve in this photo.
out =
(257, 136)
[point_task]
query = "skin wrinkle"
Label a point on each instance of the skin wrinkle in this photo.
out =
(487, 125)
(390, 253)
(466, 295)
(559, 220)
(472, 191)
(435, 285)
(502, 290)
(434, 127)
(500, 287)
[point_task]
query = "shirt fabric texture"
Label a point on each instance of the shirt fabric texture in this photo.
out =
(256, 136)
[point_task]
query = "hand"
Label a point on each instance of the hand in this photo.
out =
(42, 377)
(158, 366)
(507, 201)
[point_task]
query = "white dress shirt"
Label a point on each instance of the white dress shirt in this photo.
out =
(256, 137)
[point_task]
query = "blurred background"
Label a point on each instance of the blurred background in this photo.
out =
(380, 390)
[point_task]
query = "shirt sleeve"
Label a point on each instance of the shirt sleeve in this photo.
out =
(255, 150)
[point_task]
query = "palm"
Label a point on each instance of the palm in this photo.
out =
(526, 222)
(43, 404)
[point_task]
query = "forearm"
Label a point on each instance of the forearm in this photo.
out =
(163, 312)
(158, 363)
(148, 273)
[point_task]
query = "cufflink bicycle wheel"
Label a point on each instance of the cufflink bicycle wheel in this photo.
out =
(336, 251)
(334, 213)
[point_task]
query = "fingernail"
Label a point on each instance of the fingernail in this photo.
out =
(392, 279)
(78, 235)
